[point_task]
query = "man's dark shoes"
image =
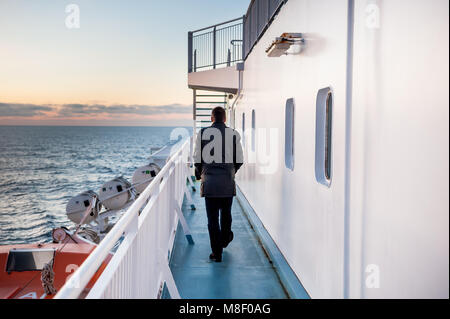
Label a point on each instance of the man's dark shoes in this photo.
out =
(230, 238)
(217, 259)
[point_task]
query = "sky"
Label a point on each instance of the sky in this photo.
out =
(126, 64)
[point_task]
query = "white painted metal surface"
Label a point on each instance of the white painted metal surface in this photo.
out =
(399, 189)
(380, 230)
(140, 266)
(304, 218)
(224, 79)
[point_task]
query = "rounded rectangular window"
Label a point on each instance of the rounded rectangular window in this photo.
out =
(324, 116)
(289, 133)
(328, 116)
(253, 131)
(243, 129)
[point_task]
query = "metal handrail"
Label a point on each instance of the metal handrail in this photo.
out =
(215, 45)
(81, 277)
(216, 25)
(255, 22)
(259, 16)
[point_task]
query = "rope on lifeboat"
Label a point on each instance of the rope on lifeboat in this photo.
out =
(47, 278)
(47, 273)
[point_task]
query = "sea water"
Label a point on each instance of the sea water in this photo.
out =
(41, 168)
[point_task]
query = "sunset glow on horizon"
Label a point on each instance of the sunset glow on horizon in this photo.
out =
(126, 64)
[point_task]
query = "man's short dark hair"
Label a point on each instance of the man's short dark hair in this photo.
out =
(219, 114)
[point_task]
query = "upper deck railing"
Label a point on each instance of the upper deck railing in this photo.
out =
(230, 42)
(216, 45)
(259, 15)
(139, 267)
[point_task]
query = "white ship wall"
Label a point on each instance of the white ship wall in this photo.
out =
(381, 229)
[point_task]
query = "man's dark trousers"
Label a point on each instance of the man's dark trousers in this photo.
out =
(219, 233)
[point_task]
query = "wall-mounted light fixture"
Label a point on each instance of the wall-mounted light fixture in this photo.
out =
(283, 43)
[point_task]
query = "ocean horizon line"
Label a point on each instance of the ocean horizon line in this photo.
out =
(12, 125)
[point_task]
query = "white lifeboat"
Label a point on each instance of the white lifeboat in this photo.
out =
(115, 194)
(144, 175)
(77, 206)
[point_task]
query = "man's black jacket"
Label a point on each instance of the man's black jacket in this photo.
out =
(218, 156)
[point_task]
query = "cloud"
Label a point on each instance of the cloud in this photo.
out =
(23, 110)
(69, 110)
(89, 110)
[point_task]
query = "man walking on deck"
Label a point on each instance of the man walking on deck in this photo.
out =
(218, 156)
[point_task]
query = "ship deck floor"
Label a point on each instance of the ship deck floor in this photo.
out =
(245, 271)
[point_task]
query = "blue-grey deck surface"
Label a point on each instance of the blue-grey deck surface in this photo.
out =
(245, 271)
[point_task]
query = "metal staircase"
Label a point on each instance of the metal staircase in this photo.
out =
(204, 102)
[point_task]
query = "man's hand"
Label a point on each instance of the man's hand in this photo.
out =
(198, 171)
(198, 156)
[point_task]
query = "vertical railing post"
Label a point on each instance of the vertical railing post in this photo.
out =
(135, 258)
(194, 110)
(244, 18)
(229, 57)
(214, 47)
(256, 4)
(189, 52)
(195, 60)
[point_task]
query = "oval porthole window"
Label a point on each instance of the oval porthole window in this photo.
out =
(243, 129)
(253, 131)
(289, 134)
(324, 136)
(328, 118)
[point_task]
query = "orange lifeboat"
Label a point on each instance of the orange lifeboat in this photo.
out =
(21, 267)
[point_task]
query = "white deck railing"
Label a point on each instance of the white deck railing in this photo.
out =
(140, 266)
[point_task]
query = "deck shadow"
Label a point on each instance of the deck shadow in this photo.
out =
(245, 272)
